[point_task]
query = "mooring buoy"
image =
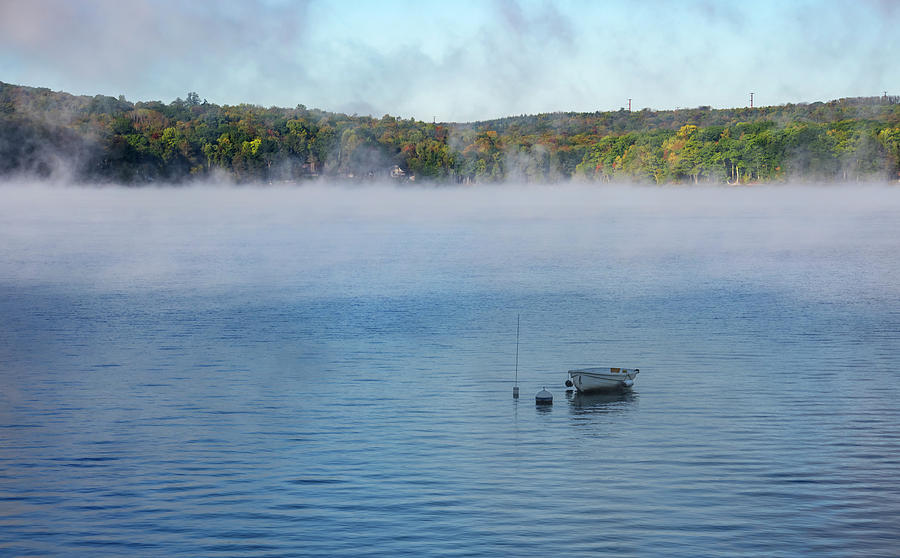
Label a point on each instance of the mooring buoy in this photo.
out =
(543, 397)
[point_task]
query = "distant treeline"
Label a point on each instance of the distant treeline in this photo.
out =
(105, 139)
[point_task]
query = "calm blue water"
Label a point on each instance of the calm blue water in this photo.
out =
(328, 372)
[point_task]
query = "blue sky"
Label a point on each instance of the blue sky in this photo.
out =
(456, 61)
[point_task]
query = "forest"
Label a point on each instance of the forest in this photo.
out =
(56, 135)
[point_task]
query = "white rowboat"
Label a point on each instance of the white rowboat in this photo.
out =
(600, 379)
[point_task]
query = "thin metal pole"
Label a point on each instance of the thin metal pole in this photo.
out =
(517, 349)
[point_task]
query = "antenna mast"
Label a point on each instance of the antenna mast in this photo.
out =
(751, 99)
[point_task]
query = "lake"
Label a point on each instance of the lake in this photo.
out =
(328, 371)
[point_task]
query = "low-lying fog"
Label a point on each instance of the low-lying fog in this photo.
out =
(342, 241)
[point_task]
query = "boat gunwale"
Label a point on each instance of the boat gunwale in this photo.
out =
(600, 370)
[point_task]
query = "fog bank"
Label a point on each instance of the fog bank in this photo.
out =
(340, 241)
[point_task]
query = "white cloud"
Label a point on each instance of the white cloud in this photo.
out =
(462, 61)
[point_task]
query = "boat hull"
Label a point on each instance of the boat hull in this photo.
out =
(603, 379)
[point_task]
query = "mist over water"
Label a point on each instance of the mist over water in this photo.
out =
(327, 370)
(221, 236)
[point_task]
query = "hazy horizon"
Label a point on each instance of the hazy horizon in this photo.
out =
(461, 122)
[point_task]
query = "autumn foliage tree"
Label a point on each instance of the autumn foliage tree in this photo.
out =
(100, 138)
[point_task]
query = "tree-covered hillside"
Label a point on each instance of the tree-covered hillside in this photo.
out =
(45, 134)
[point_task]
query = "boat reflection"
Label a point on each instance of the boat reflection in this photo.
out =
(601, 402)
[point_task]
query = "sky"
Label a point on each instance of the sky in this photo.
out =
(456, 61)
